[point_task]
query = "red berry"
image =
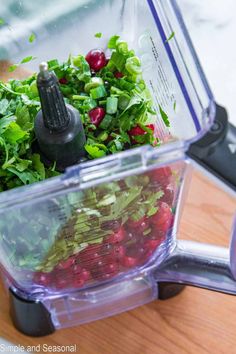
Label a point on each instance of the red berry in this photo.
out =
(62, 282)
(162, 216)
(129, 262)
(110, 269)
(78, 282)
(118, 75)
(96, 115)
(152, 245)
(63, 81)
(136, 131)
(117, 236)
(169, 194)
(118, 252)
(43, 279)
(161, 176)
(96, 59)
(76, 269)
(90, 255)
(132, 236)
(85, 274)
(151, 126)
(66, 264)
(134, 224)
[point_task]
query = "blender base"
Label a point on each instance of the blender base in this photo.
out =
(168, 290)
(30, 317)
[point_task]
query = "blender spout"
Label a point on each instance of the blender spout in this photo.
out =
(199, 265)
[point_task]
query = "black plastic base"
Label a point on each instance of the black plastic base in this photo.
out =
(216, 151)
(30, 317)
(168, 290)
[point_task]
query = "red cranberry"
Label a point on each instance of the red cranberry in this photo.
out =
(96, 115)
(169, 194)
(90, 255)
(129, 262)
(117, 236)
(163, 215)
(151, 126)
(62, 282)
(136, 131)
(78, 282)
(110, 269)
(76, 269)
(132, 236)
(96, 59)
(63, 81)
(134, 224)
(66, 264)
(152, 245)
(43, 279)
(118, 252)
(118, 75)
(161, 176)
(85, 274)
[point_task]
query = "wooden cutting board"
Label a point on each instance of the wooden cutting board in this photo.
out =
(197, 321)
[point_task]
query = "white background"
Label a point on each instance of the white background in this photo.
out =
(212, 27)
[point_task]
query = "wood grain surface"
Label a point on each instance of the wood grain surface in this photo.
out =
(196, 321)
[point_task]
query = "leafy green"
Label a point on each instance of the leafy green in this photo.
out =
(27, 59)
(95, 151)
(12, 68)
(164, 117)
(32, 38)
(98, 35)
(112, 42)
(2, 22)
(170, 37)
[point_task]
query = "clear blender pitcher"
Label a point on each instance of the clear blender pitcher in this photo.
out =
(102, 237)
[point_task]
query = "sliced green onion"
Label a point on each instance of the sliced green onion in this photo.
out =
(112, 104)
(103, 136)
(123, 102)
(116, 91)
(98, 92)
(122, 47)
(88, 104)
(125, 85)
(93, 83)
(79, 97)
(133, 65)
(106, 122)
(118, 60)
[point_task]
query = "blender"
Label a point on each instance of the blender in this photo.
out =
(70, 252)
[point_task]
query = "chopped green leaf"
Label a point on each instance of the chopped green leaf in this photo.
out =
(27, 59)
(170, 37)
(113, 42)
(14, 133)
(2, 22)
(4, 103)
(32, 38)
(164, 117)
(13, 67)
(174, 106)
(98, 35)
(94, 151)
(38, 165)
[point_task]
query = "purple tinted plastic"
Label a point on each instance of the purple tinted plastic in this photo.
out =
(81, 238)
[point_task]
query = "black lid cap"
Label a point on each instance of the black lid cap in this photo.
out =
(55, 114)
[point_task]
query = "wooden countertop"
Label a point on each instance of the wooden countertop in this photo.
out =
(196, 321)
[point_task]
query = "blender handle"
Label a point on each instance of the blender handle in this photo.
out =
(201, 265)
(216, 150)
